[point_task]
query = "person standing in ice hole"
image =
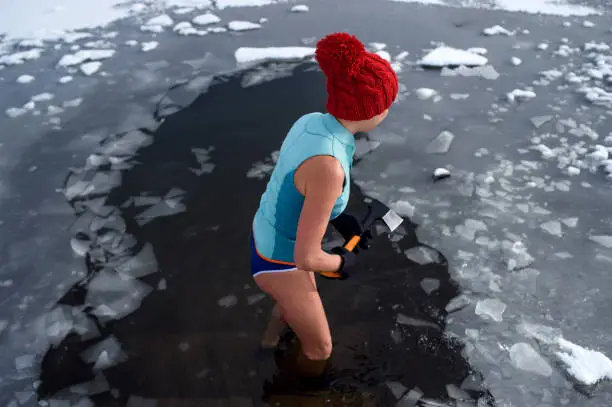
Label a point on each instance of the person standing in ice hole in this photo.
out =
(309, 188)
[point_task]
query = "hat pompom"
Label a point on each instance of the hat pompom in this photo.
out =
(340, 54)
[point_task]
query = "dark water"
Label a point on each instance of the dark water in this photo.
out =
(182, 345)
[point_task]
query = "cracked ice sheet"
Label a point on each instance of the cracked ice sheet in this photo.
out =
(550, 7)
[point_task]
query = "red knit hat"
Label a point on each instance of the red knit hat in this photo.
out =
(360, 84)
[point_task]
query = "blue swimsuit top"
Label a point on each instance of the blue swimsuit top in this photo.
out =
(276, 219)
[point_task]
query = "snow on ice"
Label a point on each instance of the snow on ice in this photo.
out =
(547, 7)
(491, 308)
(90, 68)
(497, 30)
(299, 8)
(524, 357)
(206, 19)
(447, 56)
(425, 93)
(149, 46)
(239, 25)
(19, 58)
(85, 55)
(246, 55)
(25, 79)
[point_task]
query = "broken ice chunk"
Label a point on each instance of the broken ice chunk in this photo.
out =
(440, 174)
(299, 8)
(139, 265)
(485, 72)
(206, 19)
(497, 30)
(90, 68)
(430, 285)
(491, 308)
(403, 208)
(406, 320)
(585, 365)
(459, 302)
(441, 144)
(255, 298)
(604, 240)
(104, 354)
(165, 208)
(24, 362)
(228, 301)
(538, 121)
(447, 56)
(422, 255)
(149, 46)
(524, 357)
(242, 26)
(397, 389)
(520, 94)
(23, 79)
(516, 61)
(553, 227)
(425, 93)
(516, 255)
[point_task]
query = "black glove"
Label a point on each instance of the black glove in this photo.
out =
(348, 226)
(346, 266)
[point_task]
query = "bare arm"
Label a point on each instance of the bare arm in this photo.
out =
(320, 180)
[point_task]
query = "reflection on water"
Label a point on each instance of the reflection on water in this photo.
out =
(168, 314)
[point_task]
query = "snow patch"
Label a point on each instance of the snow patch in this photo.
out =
(25, 79)
(497, 30)
(206, 19)
(447, 56)
(242, 26)
(246, 55)
(299, 8)
(85, 55)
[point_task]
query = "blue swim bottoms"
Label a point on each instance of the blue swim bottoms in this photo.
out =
(261, 264)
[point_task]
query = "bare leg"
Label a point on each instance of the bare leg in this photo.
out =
(276, 325)
(297, 297)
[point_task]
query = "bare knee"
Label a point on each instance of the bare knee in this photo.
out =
(318, 350)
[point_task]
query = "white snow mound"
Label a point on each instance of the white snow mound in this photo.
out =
(447, 56)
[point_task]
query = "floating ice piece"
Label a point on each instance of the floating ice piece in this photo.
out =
(604, 240)
(19, 58)
(163, 20)
(491, 308)
(255, 298)
(478, 50)
(228, 301)
(403, 208)
(552, 227)
(222, 4)
(516, 255)
(246, 55)
(497, 30)
(65, 79)
(23, 79)
(42, 97)
(542, 46)
(429, 285)
(14, 112)
(239, 25)
(588, 24)
(24, 362)
(90, 68)
(538, 121)
(422, 255)
(140, 265)
(206, 19)
(440, 174)
(441, 143)
(459, 302)
(299, 8)
(406, 320)
(486, 72)
(397, 389)
(587, 366)
(185, 28)
(520, 94)
(447, 56)
(149, 46)
(524, 357)
(384, 55)
(516, 61)
(104, 354)
(425, 93)
(85, 55)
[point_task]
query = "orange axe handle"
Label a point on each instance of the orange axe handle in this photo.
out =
(350, 246)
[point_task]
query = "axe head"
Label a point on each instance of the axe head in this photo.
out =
(379, 211)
